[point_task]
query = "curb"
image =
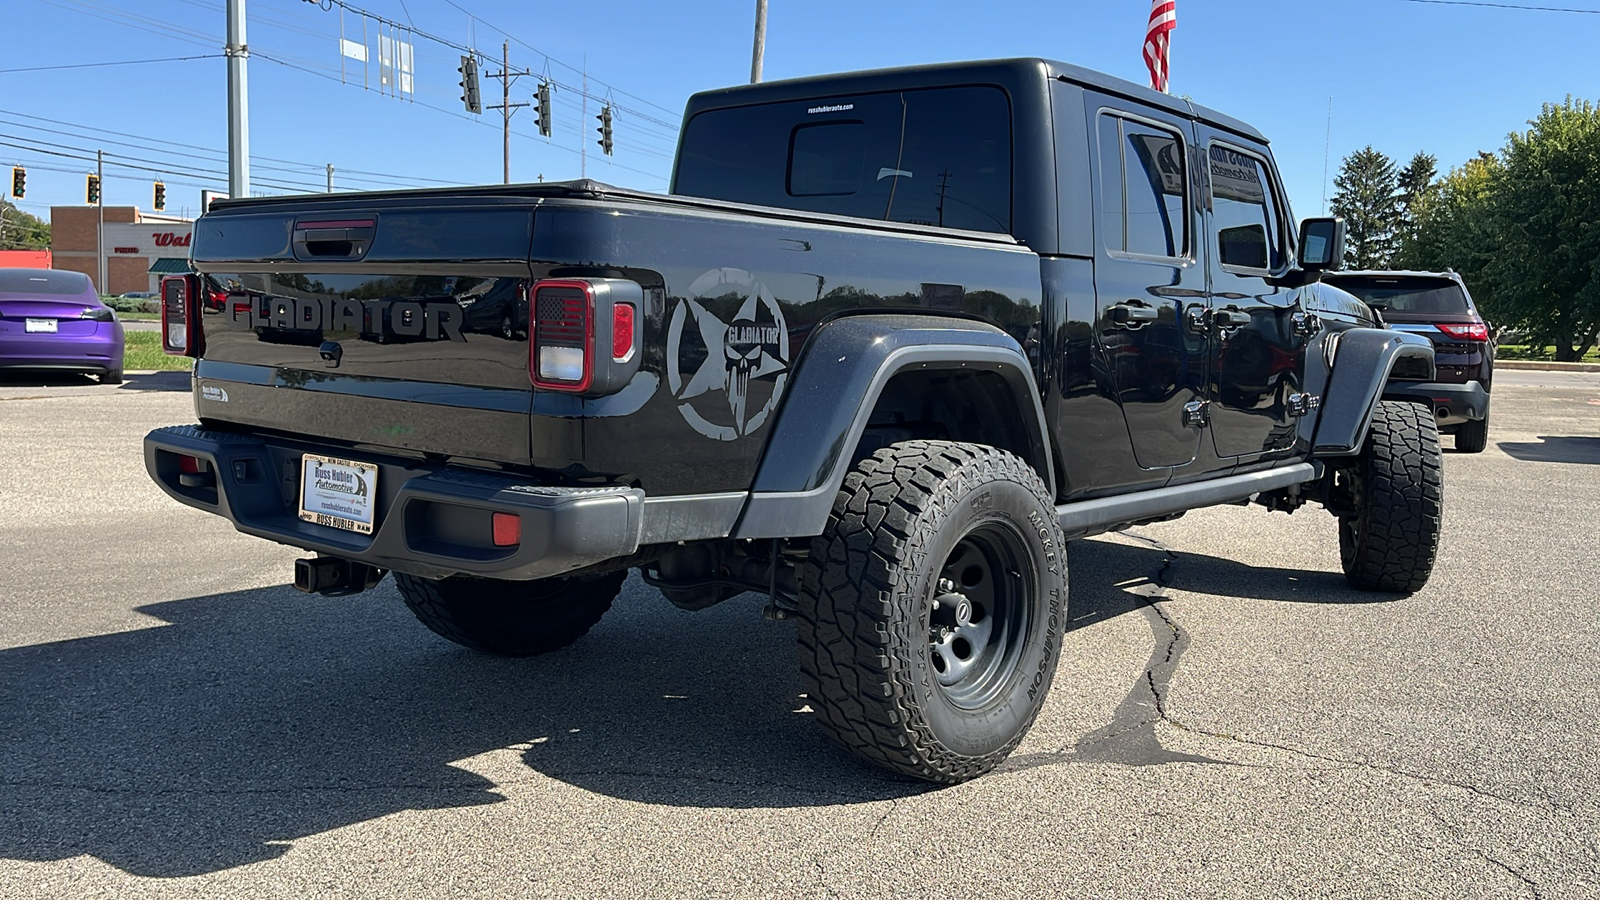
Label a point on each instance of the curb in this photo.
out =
(1539, 365)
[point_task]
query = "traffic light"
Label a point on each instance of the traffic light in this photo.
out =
(605, 129)
(161, 197)
(19, 182)
(469, 84)
(544, 108)
(92, 189)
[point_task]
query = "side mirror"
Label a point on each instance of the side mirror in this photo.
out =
(1321, 244)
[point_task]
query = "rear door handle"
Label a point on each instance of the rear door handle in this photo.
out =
(1227, 319)
(1132, 314)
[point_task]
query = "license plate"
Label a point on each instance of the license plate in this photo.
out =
(40, 326)
(338, 493)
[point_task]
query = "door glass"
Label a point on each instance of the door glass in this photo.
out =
(1154, 163)
(1142, 189)
(1244, 211)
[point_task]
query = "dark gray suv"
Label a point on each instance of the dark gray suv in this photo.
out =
(1437, 306)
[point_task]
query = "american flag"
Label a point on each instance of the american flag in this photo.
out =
(1158, 39)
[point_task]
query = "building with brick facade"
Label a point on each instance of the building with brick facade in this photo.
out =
(139, 247)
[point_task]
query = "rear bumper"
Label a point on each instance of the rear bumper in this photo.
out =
(430, 521)
(1453, 404)
(98, 351)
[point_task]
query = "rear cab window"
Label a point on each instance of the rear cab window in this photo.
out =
(939, 156)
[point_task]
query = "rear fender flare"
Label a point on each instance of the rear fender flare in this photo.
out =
(1362, 360)
(845, 367)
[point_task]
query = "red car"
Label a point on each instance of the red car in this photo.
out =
(1437, 306)
(50, 319)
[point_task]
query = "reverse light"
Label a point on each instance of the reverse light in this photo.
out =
(1469, 331)
(180, 315)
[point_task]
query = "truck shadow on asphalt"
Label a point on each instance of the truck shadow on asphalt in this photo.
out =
(1581, 449)
(258, 717)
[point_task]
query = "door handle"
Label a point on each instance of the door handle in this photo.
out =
(1229, 319)
(1132, 314)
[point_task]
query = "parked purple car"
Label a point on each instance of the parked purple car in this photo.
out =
(50, 319)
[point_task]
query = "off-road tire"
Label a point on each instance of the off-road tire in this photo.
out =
(1390, 540)
(1473, 437)
(909, 523)
(510, 618)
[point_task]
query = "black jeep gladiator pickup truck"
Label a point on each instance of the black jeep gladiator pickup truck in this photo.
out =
(890, 341)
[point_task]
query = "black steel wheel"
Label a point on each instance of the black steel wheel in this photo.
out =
(1389, 538)
(932, 609)
(510, 618)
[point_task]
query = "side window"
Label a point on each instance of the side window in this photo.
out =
(1143, 209)
(1244, 211)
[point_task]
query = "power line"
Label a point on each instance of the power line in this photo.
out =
(125, 62)
(1564, 9)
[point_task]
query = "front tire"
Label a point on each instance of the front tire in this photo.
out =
(1390, 538)
(932, 609)
(510, 618)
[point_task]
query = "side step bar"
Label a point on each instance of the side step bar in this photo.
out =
(1088, 517)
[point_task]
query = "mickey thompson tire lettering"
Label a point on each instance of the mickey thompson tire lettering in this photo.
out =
(510, 618)
(916, 523)
(1390, 541)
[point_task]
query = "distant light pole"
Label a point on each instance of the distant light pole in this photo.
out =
(237, 52)
(761, 42)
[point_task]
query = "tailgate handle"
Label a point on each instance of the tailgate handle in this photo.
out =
(333, 238)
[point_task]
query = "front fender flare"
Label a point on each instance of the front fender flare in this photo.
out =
(837, 383)
(1362, 361)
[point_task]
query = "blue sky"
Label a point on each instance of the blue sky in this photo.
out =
(1402, 76)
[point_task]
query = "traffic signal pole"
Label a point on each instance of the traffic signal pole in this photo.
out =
(237, 52)
(100, 225)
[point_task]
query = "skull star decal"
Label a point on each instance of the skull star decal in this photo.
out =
(747, 356)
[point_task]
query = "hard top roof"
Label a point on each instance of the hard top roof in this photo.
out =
(998, 71)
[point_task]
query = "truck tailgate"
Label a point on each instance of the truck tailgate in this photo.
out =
(389, 327)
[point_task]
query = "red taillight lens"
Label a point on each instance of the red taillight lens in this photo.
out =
(507, 529)
(1472, 331)
(561, 350)
(180, 315)
(622, 332)
(191, 465)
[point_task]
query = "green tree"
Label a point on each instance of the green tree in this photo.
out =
(1544, 271)
(1417, 189)
(1367, 198)
(21, 231)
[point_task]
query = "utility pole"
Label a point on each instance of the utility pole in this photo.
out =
(761, 42)
(506, 107)
(330, 178)
(237, 52)
(100, 225)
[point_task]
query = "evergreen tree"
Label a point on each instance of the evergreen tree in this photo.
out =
(1417, 189)
(1366, 198)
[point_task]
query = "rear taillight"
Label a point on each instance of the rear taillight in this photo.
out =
(180, 315)
(622, 332)
(561, 348)
(1472, 331)
(585, 334)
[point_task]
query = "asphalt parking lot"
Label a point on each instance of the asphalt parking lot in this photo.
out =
(1229, 719)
